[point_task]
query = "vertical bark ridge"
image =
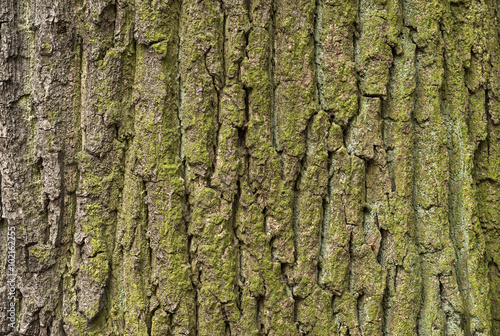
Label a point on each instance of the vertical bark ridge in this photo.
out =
(17, 137)
(214, 258)
(403, 281)
(483, 125)
(46, 52)
(467, 235)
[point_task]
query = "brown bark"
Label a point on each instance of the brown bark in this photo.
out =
(249, 167)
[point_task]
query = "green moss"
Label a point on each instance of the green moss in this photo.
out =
(98, 269)
(78, 323)
(161, 47)
(42, 253)
(149, 17)
(160, 323)
(338, 83)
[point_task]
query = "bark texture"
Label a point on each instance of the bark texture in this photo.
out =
(251, 167)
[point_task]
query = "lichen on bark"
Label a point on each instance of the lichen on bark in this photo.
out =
(250, 167)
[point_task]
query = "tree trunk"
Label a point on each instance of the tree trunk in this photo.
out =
(249, 167)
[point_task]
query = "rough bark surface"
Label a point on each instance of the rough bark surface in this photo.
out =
(250, 167)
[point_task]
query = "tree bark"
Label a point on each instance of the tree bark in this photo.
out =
(249, 167)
